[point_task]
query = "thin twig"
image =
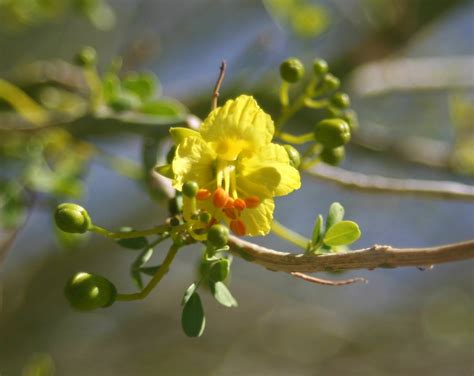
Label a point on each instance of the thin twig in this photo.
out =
(215, 93)
(377, 256)
(327, 282)
(380, 184)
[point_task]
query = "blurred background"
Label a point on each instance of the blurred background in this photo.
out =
(408, 66)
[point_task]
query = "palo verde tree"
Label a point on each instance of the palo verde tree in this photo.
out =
(219, 177)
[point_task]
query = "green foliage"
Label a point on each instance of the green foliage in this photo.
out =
(335, 233)
(193, 320)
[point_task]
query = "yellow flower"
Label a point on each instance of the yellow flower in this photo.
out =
(237, 167)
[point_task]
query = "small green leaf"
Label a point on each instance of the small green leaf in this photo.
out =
(134, 243)
(165, 171)
(335, 215)
(189, 292)
(222, 294)
(193, 320)
(137, 277)
(150, 270)
(142, 84)
(142, 258)
(168, 108)
(342, 233)
(318, 230)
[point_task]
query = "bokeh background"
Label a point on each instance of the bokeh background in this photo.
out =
(404, 322)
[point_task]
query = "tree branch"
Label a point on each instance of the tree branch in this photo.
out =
(380, 184)
(377, 256)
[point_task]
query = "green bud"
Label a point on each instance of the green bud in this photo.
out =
(294, 155)
(86, 291)
(72, 218)
(86, 57)
(320, 67)
(218, 236)
(330, 82)
(190, 189)
(332, 133)
(333, 156)
(219, 270)
(170, 154)
(175, 205)
(291, 70)
(341, 100)
(205, 217)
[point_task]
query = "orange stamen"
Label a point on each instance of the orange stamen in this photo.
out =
(230, 203)
(240, 204)
(252, 202)
(238, 227)
(230, 213)
(220, 198)
(203, 194)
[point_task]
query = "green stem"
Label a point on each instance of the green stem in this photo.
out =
(316, 104)
(132, 234)
(298, 140)
(156, 278)
(289, 235)
(284, 99)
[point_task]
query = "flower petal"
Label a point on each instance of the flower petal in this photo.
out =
(193, 161)
(239, 125)
(258, 220)
(269, 168)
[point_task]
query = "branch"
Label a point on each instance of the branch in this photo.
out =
(408, 74)
(377, 256)
(380, 184)
(215, 93)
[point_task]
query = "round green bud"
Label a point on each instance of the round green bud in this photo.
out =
(86, 57)
(219, 270)
(341, 100)
(190, 189)
(72, 218)
(86, 291)
(294, 155)
(205, 217)
(330, 82)
(218, 236)
(170, 154)
(332, 133)
(320, 67)
(333, 156)
(291, 70)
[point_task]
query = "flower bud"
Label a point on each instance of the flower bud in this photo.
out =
(341, 100)
(218, 236)
(291, 70)
(86, 291)
(86, 57)
(190, 189)
(294, 155)
(332, 133)
(320, 67)
(333, 156)
(72, 218)
(330, 82)
(219, 270)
